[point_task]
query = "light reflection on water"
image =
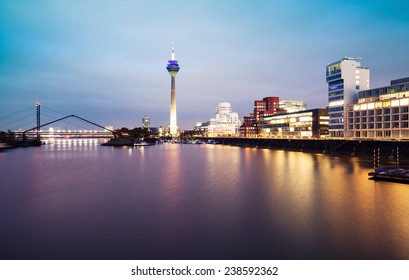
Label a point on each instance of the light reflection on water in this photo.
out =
(78, 200)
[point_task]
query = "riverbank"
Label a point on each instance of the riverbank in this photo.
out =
(15, 144)
(382, 149)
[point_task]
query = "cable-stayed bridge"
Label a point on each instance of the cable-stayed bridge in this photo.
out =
(44, 122)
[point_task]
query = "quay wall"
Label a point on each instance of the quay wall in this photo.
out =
(387, 149)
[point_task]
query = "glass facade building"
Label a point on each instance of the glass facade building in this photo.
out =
(303, 124)
(345, 78)
(291, 106)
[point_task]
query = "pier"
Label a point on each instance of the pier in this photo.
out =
(391, 173)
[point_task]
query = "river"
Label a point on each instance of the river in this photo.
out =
(75, 199)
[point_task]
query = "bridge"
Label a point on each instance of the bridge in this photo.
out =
(68, 130)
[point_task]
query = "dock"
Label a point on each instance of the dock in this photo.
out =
(4, 146)
(391, 173)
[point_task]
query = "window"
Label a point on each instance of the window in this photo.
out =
(395, 117)
(395, 110)
(386, 118)
(404, 109)
(371, 112)
(404, 117)
(379, 125)
(379, 111)
(387, 111)
(371, 126)
(378, 118)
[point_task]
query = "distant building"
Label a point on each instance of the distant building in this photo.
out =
(345, 79)
(268, 106)
(381, 112)
(291, 106)
(146, 122)
(225, 123)
(303, 124)
(249, 128)
(201, 128)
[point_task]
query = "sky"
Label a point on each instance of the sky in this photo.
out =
(106, 60)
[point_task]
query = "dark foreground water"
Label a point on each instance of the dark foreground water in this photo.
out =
(77, 200)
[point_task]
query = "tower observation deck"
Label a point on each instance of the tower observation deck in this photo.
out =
(173, 68)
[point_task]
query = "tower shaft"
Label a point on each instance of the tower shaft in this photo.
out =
(173, 121)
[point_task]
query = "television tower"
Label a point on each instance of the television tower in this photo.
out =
(173, 68)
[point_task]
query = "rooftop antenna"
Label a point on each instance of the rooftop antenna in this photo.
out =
(173, 51)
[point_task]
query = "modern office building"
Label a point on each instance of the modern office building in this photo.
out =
(225, 123)
(381, 112)
(345, 79)
(201, 128)
(173, 69)
(303, 124)
(291, 106)
(146, 122)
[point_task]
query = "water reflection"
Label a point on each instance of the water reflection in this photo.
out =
(80, 200)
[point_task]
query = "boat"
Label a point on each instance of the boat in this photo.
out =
(141, 143)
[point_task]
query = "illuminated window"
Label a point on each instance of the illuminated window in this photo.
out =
(395, 103)
(404, 102)
(336, 103)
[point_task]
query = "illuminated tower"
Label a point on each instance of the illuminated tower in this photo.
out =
(173, 68)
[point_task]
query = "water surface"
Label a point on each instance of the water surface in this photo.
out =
(74, 199)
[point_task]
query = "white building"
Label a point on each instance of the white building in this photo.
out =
(146, 122)
(226, 122)
(345, 79)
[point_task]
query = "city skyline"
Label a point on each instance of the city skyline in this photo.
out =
(105, 61)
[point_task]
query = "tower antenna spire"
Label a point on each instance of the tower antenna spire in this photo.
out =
(173, 51)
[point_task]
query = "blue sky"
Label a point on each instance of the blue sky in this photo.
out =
(106, 60)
